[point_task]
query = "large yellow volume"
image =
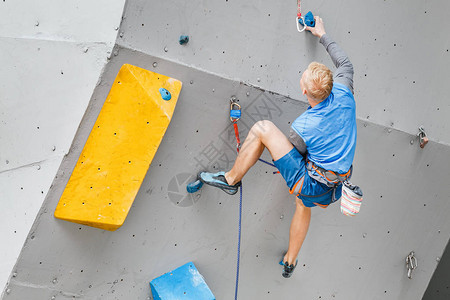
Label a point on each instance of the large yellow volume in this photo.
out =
(119, 149)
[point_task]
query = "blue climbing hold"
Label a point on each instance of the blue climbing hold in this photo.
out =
(309, 20)
(165, 94)
(184, 39)
(194, 186)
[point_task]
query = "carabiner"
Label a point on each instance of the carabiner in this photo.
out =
(423, 139)
(235, 114)
(411, 263)
(304, 24)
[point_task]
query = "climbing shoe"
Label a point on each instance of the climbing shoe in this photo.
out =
(288, 269)
(218, 180)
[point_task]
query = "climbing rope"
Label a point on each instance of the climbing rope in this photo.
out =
(239, 243)
(268, 163)
(235, 115)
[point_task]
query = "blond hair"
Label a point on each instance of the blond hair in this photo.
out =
(319, 81)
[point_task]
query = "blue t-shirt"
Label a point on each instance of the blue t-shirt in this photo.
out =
(329, 130)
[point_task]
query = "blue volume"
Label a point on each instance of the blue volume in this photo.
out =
(184, 282)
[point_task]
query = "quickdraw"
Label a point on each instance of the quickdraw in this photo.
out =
(235, 115)
(299, 17)
(411, 263)
(423, 139)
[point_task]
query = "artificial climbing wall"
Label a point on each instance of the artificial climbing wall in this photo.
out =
(52, 55)
(253, 51)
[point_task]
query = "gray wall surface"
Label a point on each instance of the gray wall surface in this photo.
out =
(233, 44)
(439, 287)
(52, 54)
(399, 49)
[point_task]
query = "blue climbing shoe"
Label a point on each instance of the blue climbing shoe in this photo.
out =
(218, 180)
(288, 269)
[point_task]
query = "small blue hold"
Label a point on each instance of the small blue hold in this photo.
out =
(165, 94)
(184, 39)
(194, 186)
(309, 20)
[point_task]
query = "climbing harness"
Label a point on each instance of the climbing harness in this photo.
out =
(352, 195)
(411, 263)
(329, 178)
(299, 17)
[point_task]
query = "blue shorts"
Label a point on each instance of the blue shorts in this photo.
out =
(312, 193)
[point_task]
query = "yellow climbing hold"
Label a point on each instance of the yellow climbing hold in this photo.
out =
(119, 149)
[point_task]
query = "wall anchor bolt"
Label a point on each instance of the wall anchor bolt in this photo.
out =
(422, 137)
(411, 263)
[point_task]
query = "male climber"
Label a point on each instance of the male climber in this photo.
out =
(318, 154)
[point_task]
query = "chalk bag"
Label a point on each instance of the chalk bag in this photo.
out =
(351, 199)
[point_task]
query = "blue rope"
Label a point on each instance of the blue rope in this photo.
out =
(239, 244)
(239, 234)
(266, 162)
